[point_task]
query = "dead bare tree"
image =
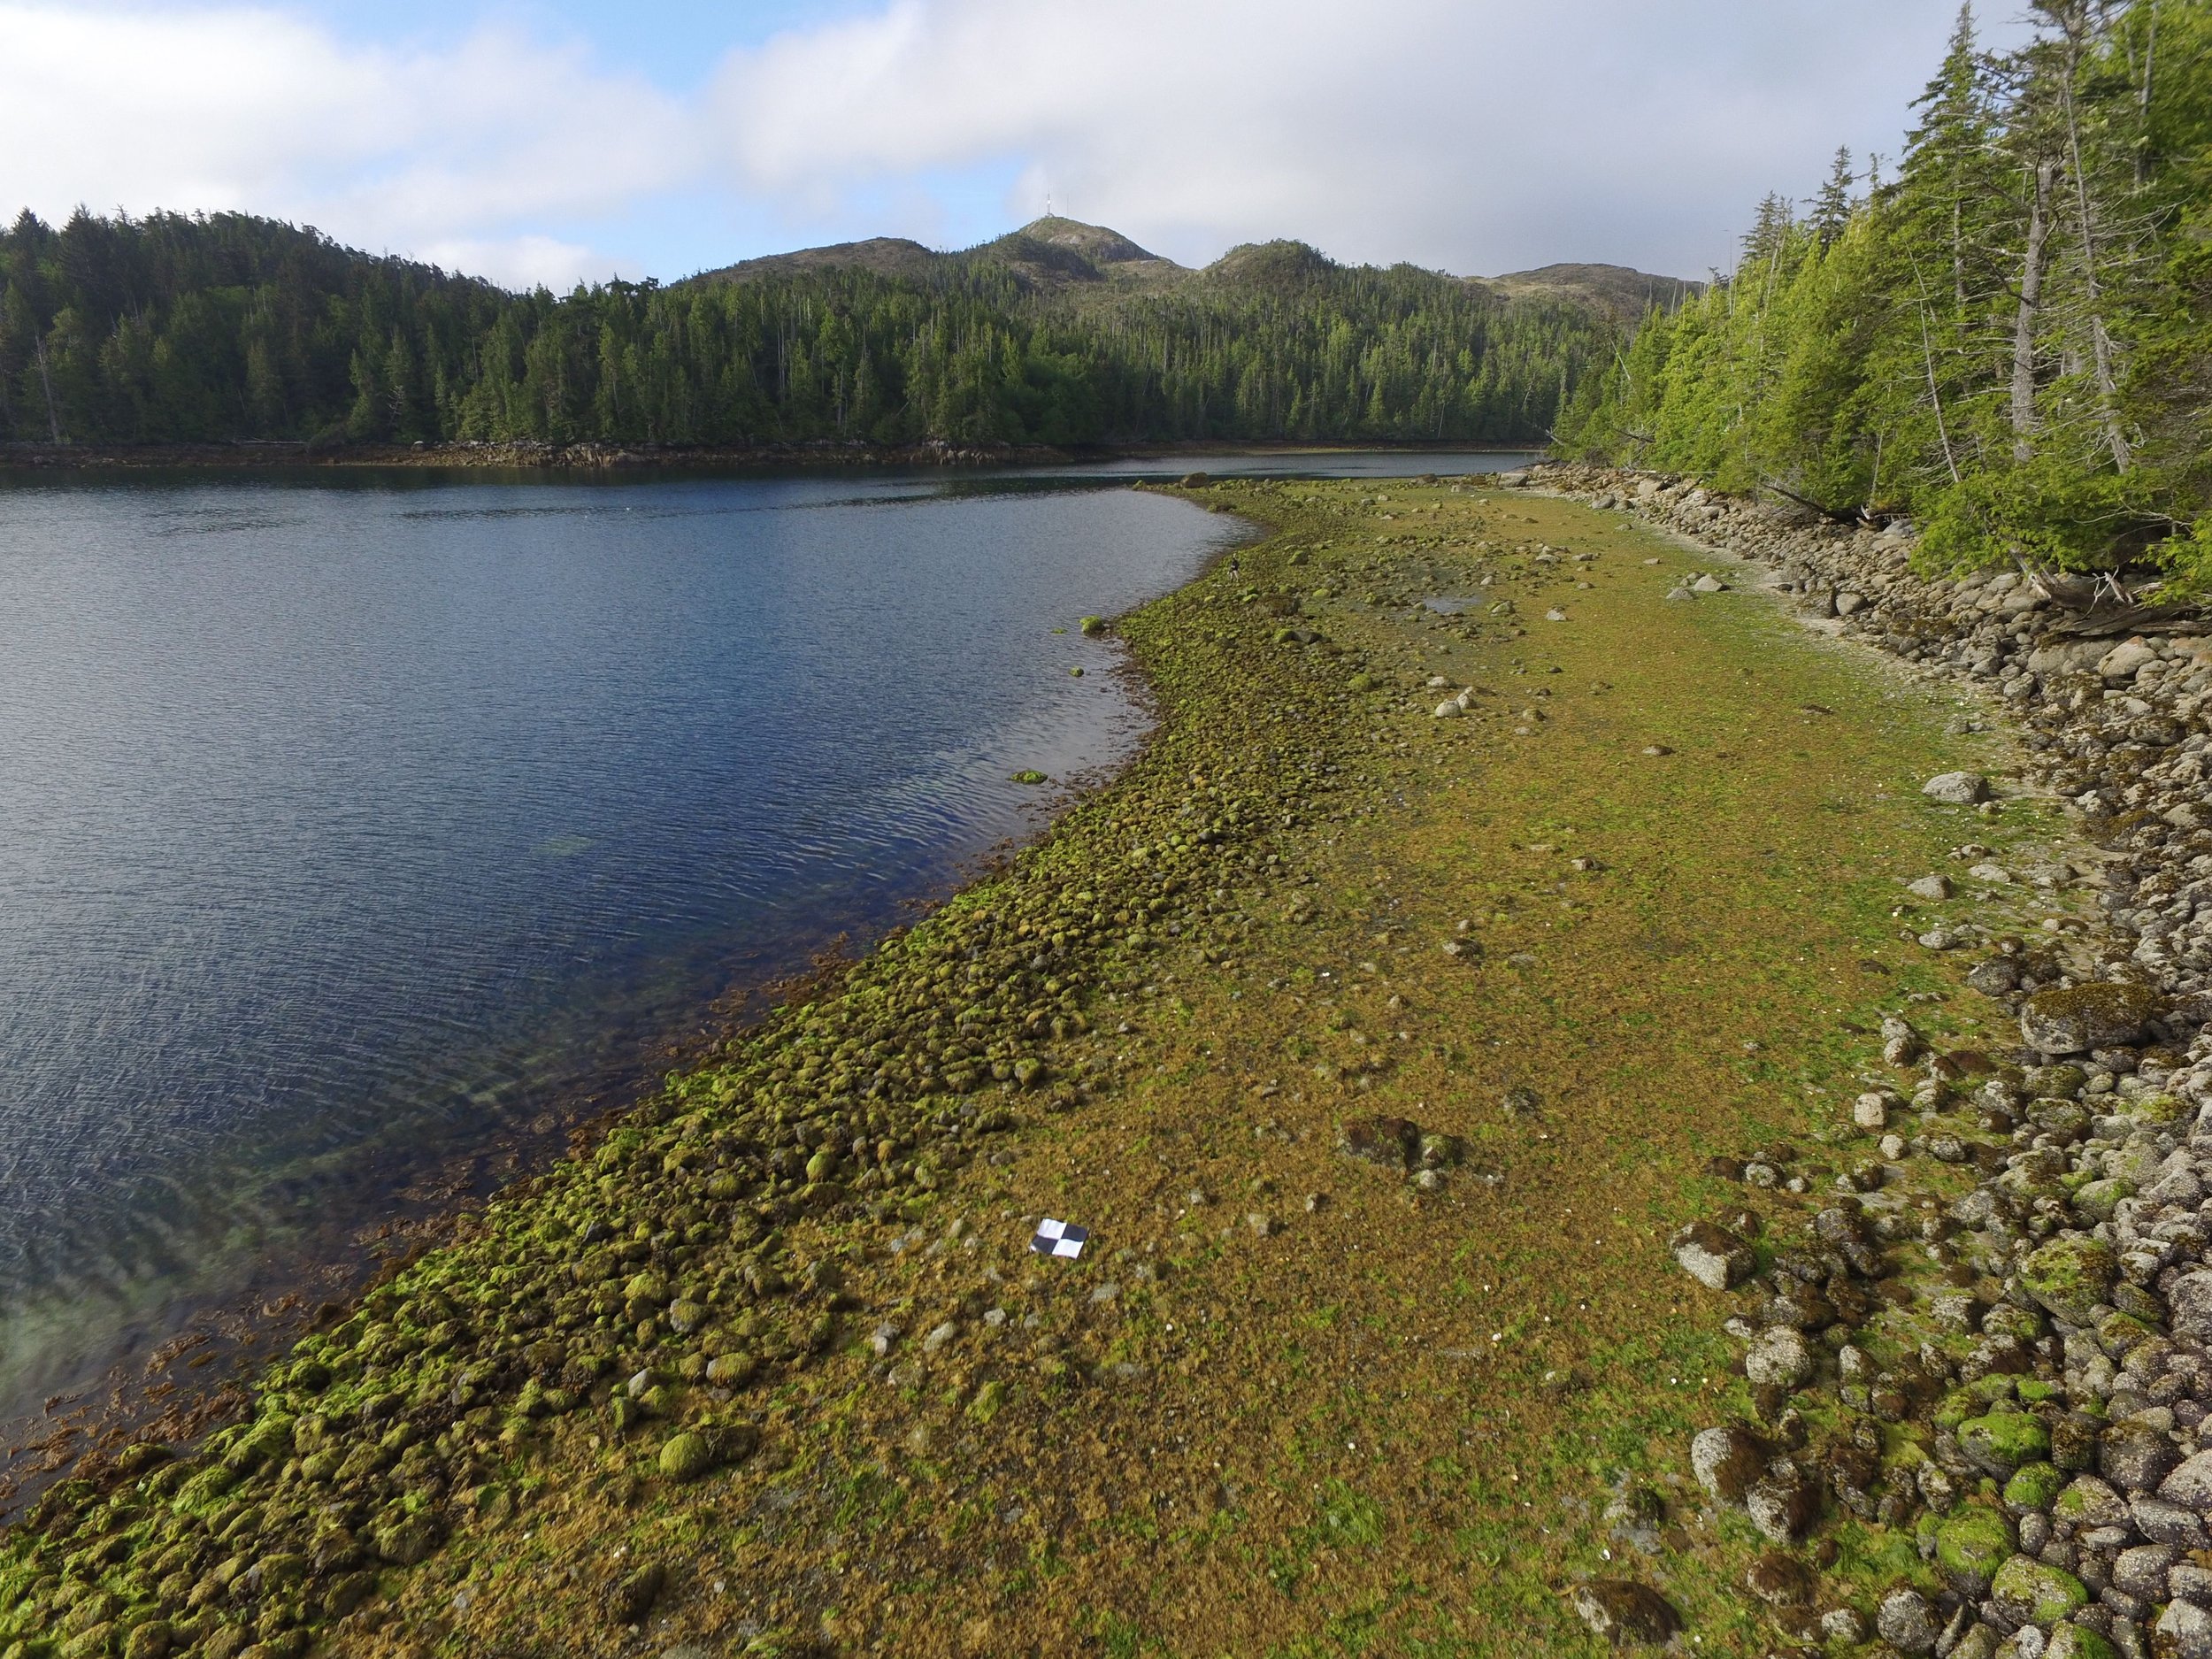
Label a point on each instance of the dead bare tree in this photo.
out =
(46, 384)
(2029, 302)
(2076, 20)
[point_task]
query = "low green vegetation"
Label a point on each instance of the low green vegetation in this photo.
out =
(2007, 340)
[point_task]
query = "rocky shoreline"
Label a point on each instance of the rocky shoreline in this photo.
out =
(595, 455)
(591, 455)
(1997, 1331)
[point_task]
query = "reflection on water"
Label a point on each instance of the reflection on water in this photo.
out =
(349, 824)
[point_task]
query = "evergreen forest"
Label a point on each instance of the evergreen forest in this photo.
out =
(2008, 340)
(228, 327)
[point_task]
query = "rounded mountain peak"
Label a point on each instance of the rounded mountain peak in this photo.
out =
(1094, 242)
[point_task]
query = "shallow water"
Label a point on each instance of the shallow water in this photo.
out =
(354, 828)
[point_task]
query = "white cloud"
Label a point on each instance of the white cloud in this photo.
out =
(469, 149)
(1472, 135)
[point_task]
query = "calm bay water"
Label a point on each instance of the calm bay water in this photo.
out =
(349, 827)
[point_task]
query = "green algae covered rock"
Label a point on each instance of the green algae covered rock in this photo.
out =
(2069, 1276)
(1970, 1548)
(732, 1370)
(2003, 1440)
(2034, 1487)
(2036, 1592)
(2159, 1110)
(2097, 1200)
(1973, 1399)
(686, 1456)
(2078, 1641)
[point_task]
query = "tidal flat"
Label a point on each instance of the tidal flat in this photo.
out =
(771, 1367)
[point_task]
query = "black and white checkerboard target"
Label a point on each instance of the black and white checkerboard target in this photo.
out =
(1062, 1239)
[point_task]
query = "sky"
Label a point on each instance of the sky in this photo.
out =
(557, 142)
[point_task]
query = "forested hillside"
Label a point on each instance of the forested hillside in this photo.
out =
(2010, 340)
(228, 327)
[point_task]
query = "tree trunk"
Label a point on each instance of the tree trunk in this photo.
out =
(2023, 320)
(1958, 246)
(2143, 109)
(53, 420)
(2100, 338)
(1935, 391)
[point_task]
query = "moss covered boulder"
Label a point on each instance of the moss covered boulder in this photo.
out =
(2071, 1276)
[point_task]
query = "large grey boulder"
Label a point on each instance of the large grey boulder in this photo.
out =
(1626, 1613)
(1779, 1357)
(1726, 1461)
(2124, 659)
(1714, 1257)
(2078, 1018)
(1957, 788)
